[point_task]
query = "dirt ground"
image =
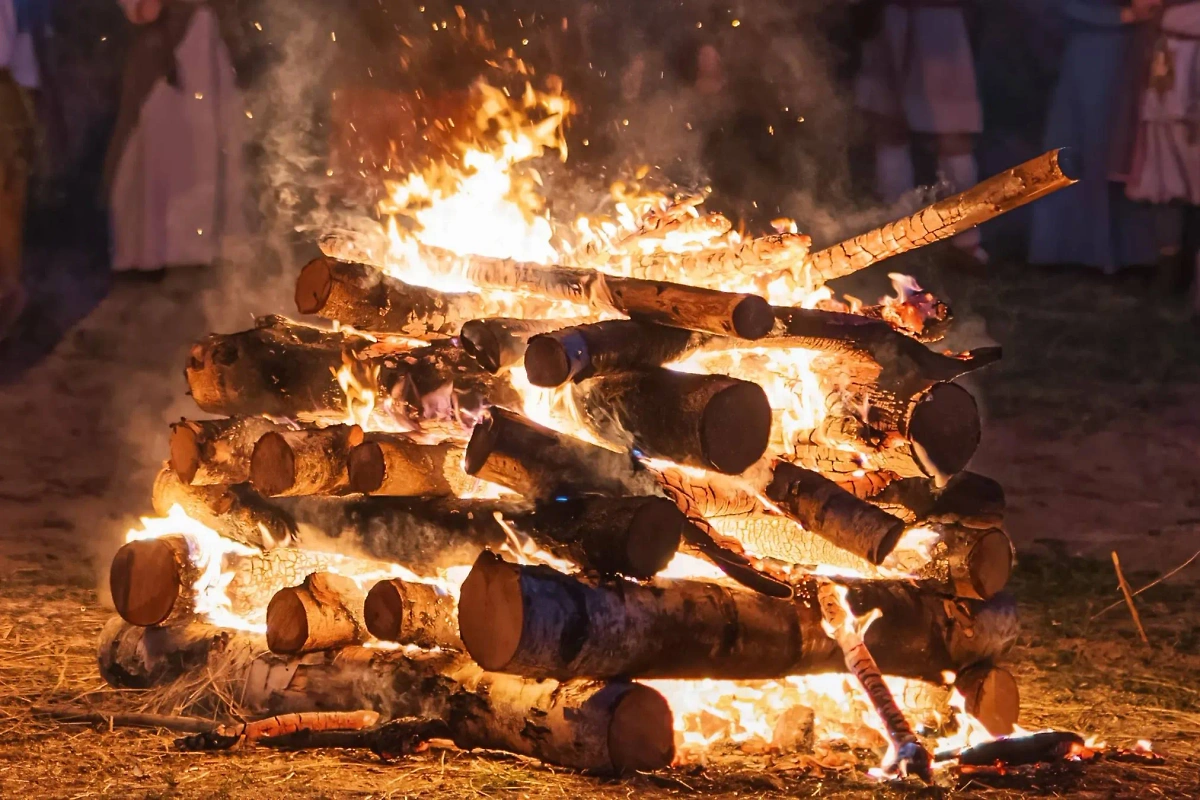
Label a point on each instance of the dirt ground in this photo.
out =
(1092, 425)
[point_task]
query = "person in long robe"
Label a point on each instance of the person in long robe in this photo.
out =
(18, 76)
(917, 76)
(1093, 223)
(176, 172)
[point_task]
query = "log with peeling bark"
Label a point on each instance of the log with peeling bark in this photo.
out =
(602, 348)
(215, 451)
(713, 266)
(393, 465)
(534, 621)
(610, 728)
(500, 343)
(707, 421)
(542, 464)
(304, 462)
(236, 512)
(632, 536)
(990, 695)
(369, 300)
(944, 219)
(832, 513)
(323, 613)
(409, 612)
(710, 494)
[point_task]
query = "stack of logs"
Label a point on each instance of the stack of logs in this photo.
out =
(527, 658)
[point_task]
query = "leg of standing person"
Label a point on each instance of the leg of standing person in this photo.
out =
(894, 173)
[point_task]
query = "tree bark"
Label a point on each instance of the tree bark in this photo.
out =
(370, 300)
(236, 512)
(215, 451)
(500, 343)
(1001, 193)
(537, 622)
(603, 348)
(408, 612)
(707, 421)
(394, 465)
(323, 613)
(304, 462)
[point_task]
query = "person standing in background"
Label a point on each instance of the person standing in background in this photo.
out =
(175, 171)
(917, 77)
(18, 77)
(1092, 224)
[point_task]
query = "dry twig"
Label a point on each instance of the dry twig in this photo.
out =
(1124, 584)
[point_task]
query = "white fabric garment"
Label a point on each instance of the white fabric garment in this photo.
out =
(16, 49)
(178, 197)
(919, 69)
(1166, 163)
(894, 171)
(963, 172)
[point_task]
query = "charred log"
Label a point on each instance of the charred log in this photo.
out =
(498, 344)
(215, 451)
(323, 613)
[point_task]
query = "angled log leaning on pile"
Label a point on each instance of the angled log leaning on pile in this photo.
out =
(535, 621)
(606, 727)
(236, 512)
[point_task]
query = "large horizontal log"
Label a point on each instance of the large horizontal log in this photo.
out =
(304, 462)
(323, 613)
(713, 267)
(369, 300)
(538, 622)
(392, 464)
(542, 464)
(610, 728)
(707, 421)
(408, 612)
(602, 348)
(214, 451)
(997, 195)
(236, 512)
(500, 343)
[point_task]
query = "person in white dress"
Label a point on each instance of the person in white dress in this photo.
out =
(918, 77)
(176, 172)
(18, 75)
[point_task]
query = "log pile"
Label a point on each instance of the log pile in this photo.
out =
(499, 529)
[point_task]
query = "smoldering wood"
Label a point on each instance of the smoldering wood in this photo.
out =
(392, 464)
(215, 451)
(831, 512)
(304, 462)
(613, 727)
(632, 536)
(500, 343)
(370, 300)
(408, 612)
(944, 219)
(710, 494)
(542, 464)
(602, 348)
(534, 621)
(323, 613)
(236, 512)
(707, 421)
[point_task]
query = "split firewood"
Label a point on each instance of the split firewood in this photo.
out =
(304, 462)
(991, 696)
(632, 536)
(323, 613)
(215, 451)
(369, 300)
(228, 737)
(542, 464)
(601, 348)
(829, 511)
(500, 343)
(516, 619)
(906, 753)
(944, 219)
(614, 727)
(236, 512)
(392, 464)
(707, 421)
(408, 612)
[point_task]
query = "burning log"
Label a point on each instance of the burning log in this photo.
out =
(498, 344)
(394, 465)
(369, 300)
(408, 612)
(542, 464)
(604, 727)
(535, 621)
(236, 512)
(323, 613)
(304, 462)
(968, 495)
(708, 421)
(709, 494)
(602, 348)
(1015, 751)
(997, 195)
(831, 512)
(633, 536)
(990, 695)
(215, 451)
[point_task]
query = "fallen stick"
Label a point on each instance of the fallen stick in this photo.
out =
(216, 451)
(392, 464)
(393, 739)
(116, 719)
(1150, 585)
(228, 737)
(1014, 751)
(323, 613)
(500, 343)
(237, 512)
(304, 462)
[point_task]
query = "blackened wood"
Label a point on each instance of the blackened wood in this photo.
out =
(602, 348)
(236, 512)
(500, 343)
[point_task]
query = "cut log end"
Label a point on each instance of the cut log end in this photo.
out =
(145, 581)
(287, 622)
(753, 318)
(185, 453)
(735, 424)
(641, 736)
(945, 429)
(480, 342)
(491, 611)
(546, 362)
(313, 286)
(366, 468)
(482, 443)
(992, 697)
(654, 536)
(273, 465)
(989, 563)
